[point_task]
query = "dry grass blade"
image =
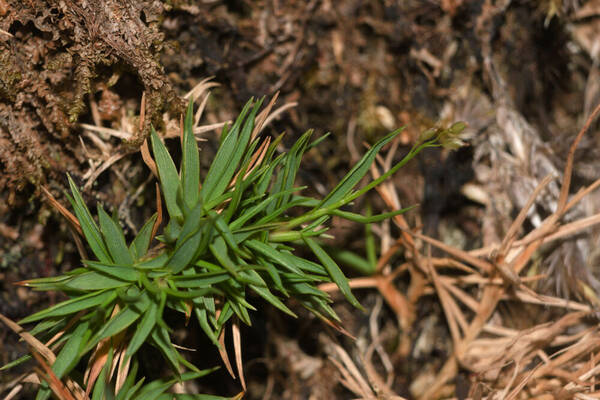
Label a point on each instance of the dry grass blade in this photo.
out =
(108, 131)
(353, 378)
(510, 235)
(223, 354)
(237, 348)
(484, 266)
(100, 355)
(200, 110)
(57, 387)
(73, 221)
(262, 116)
(71, 322)
(148, 160)
(564, 191)
(278, 112)
(200, 88)
(30, 339)
(206, 128)
(123, 370)
(14, 392)
(448, 304)
(396, 300)
(95, 365)
(103, 167)
(158, 211)
(255, 161)
(6, 33)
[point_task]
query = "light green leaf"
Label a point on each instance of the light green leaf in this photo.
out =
(334, 271)
(88, 226)
(161, 339)
(139, 246)
(114, 239)
(71, 306)
(356, 173)
(68, 357)
(190, 163)
(143, 330)
(219, 250)
(93, 281)
(369, 219)
(116, 324)
(278, 257)
(228, 156)
(167, 173)
(121, 272)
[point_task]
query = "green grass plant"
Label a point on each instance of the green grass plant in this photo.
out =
(231, 232)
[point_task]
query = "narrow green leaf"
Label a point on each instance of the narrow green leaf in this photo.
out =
(304, 264)
(189, 294)
(251, 212)
(16, 362)
(167, 173)
(228, 156)
(265, 180)
(71, 306)
(156, 262)
(131, 392)
(369, 219)
(121, 272)
(353, 260)
(274, 255)
(139, 246)
(219, 250)
(88, 226)
(204, 280)
(356, 173)
(271, 298)
(226, 233)
(49, 326)
(161, 339)
(190, 163)
(334, 271)
(143, 330)
(114, 238)
(92, 281)
(116, 324)
(68, 357)
(201, 315)
(306, 289)
(226, 314)
(274, 274)
(287, 176)
(184, 253)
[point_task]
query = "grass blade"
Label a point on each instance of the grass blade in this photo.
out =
(114, 239)
(356, 173)
(334, 271)
(71, 306)
(139, 246)
(143, 330)
(167, 173)
(88, 226)
(190, 163)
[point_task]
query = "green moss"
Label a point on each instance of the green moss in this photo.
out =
(10, 76)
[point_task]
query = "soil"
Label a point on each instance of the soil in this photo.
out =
(523, 75)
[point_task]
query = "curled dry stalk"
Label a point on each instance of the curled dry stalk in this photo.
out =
(230, 234)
